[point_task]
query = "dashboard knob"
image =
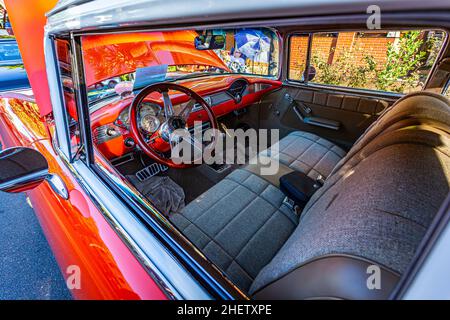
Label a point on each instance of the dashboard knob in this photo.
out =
(111, 132)
(129, 143)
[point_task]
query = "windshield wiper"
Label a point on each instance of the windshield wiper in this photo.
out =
(103, 96)
(193, 75)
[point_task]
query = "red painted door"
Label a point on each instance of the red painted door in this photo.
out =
(83, 242)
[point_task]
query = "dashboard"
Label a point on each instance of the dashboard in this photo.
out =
(224, 94)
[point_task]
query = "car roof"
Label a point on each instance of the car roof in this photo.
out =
(81, 14)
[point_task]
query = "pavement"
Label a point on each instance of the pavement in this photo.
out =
(28, 269)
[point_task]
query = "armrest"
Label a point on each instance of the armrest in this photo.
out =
(298, 187)
(322, 122)
(317, 121)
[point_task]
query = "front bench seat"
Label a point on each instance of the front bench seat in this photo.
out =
(308, 153)
(239, 224)
(374, 208)
(256, 208)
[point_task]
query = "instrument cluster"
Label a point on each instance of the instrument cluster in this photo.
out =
(149, 119)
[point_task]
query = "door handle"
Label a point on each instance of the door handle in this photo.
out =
(58, 185)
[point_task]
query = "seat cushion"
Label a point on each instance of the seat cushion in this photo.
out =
(308, 153)
(239, 224)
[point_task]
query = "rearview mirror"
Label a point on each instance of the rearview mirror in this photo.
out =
(209, 42)
(21, 169)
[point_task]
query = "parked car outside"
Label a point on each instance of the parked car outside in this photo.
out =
(12, 72)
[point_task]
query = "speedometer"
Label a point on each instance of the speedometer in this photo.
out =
(149, 123)
(148, 117)
(148, 108)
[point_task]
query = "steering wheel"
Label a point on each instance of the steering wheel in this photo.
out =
(163, 139)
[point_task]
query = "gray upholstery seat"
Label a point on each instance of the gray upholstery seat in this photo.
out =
(308, 153)
(239, 224)
(373, 209)
(303, 152)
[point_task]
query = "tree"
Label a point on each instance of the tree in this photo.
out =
(403, 61)
(358, 69)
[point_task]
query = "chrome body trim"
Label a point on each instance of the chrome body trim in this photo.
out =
(31, 178)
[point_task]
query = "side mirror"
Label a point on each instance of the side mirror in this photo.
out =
(209, 42)
(311, 73)
(21, 169)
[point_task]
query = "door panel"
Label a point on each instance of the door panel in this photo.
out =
(335, 115)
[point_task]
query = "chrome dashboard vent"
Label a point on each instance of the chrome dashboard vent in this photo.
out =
(105, 133)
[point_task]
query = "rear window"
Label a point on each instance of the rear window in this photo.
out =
(393, 61)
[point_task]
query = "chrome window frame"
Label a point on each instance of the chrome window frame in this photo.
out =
(387, 94)
(172, 277)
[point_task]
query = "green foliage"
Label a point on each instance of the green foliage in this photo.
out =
(358, 69)
(400, 72)
(344, 71)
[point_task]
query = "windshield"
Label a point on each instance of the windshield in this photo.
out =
(117, 64)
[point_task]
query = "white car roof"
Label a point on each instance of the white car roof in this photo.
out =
(82, 14)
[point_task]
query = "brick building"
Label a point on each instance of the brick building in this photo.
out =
(329, 46)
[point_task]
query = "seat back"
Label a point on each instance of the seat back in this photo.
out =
(372, 211)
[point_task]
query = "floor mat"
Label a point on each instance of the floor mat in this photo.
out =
(192, 180)
(163, 192)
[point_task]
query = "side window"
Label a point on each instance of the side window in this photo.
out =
(298, 54)
(65, 70)
(393, 61)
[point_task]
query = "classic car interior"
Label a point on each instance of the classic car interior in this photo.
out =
(363, 167)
